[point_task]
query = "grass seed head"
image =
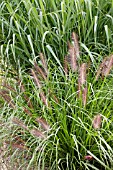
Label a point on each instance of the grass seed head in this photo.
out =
(40, 71)
(88, 157)
(43, 123)
(19, 123)
(37, 133)
(76, 43)
(44, 63)
(72, 57)
(97, 122)
(6, 96)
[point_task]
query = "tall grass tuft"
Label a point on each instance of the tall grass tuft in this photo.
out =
(56, 97)
(63, 121)
(30, 27)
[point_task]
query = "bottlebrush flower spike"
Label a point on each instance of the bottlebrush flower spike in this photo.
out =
(6, 85)
(37, 133)
(19, 123)
(105, 67)
(22, 88)
(72, 57)
(40, 71)
(27, 111)
(44, 99)
(76, 44)
(17, 146)
(5, 94)
(44, 63)
(84, 96)
(66, 65)
(88, 157)
(37, 81)
(108, 63)
(51, 93)
(82, 74)
(43, 123)
(97, 122)
(82, 87)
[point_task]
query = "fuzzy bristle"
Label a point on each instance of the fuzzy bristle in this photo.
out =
(6, 96)
(37, 133)
(76, 44)
(40, 71)
(97, 122)
(43, 123)
(19, 123)
(66, 65)
(44, 63)
(72, 57)
(105, 67)
(37, 81)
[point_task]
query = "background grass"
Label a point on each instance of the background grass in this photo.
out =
(29, 28)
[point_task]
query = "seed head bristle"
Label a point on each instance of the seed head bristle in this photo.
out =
(84, 96)
(37, 133)
(20, 146)
(72, 57)
(88, 157)
(27, 99)
(82, 87)
(105, 67)
(40, 71)
(66, 65)
(108, 63)
(6, 96)
(76, 43)
(6, 85)
(37, 81)
(97, 122)
(44, 63)
(43, 123)
(19, 123)
(44, 99)
(82, 74)
(27, 111)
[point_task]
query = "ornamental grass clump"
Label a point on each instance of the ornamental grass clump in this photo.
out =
(54, 114)
(56, 100)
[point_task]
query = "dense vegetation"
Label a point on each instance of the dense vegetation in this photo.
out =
(56, 96)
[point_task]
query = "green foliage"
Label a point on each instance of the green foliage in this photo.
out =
(71, 135)
(30, 27)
